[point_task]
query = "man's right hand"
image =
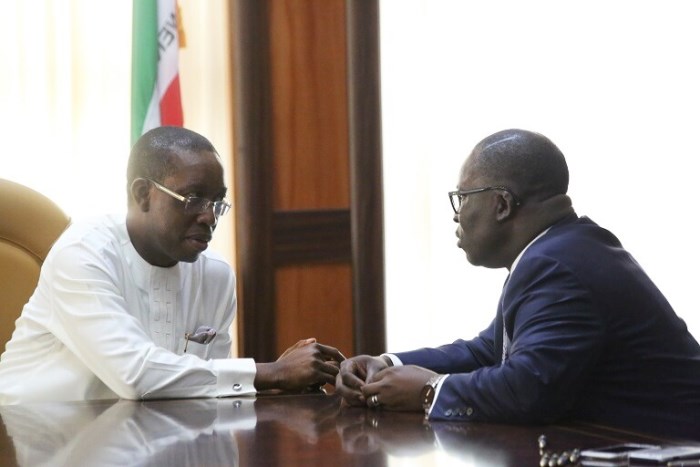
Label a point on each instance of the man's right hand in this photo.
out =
(306, 363)
(354, 373)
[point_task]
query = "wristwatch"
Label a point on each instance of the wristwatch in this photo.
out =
(427, 394)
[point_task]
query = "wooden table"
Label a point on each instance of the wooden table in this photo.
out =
(301, 430)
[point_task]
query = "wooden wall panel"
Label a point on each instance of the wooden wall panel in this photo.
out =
(311, 173)
(308, 175)
(315, 301)
(312, 236)
(310, 114)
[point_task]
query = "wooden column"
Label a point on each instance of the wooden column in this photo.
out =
(308, 175)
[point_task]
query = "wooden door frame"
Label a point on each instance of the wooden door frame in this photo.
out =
(255, 220)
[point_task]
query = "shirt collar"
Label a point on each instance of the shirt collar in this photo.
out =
(517, 259)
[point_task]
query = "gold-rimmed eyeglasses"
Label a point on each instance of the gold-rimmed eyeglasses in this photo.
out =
(195, 204)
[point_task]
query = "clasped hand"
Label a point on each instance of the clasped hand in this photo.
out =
(395, 387)
(306, 364)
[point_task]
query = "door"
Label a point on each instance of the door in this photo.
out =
(308, 192)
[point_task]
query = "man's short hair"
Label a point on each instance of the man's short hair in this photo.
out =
(527, 162)
(152, 155)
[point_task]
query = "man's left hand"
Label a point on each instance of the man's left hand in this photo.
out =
(398, 387)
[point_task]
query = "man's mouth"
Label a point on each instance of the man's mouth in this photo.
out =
(200, 242)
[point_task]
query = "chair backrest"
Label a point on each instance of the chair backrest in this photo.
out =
(29, 224)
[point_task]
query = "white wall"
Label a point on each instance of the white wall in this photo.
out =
(615, 84)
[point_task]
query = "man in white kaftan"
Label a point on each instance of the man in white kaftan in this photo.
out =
(102, 317)
(121, 303)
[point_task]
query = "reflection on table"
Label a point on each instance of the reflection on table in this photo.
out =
(269, 430)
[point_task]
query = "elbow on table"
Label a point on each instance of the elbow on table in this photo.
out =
(134, 387)
(129, 392)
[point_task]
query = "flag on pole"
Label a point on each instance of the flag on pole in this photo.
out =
(155, 79)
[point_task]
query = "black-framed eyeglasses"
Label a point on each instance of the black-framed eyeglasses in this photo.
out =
(457, 197)
(195, 204)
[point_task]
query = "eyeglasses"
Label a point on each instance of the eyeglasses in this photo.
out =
(458, 196)
(195, 204)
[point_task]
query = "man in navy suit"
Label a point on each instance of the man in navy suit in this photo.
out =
(581, 332)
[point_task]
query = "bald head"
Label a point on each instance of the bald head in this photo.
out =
(527, 162)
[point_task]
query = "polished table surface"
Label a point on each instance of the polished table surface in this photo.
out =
(296, 430)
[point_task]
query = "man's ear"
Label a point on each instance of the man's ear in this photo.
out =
(505, 209)
(140, 191)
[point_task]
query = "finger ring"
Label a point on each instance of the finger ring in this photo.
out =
(373, 401)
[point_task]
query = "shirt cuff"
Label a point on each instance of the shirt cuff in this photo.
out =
(394, 359)
(235, 377)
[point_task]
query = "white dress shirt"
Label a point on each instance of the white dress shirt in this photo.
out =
(103, 323)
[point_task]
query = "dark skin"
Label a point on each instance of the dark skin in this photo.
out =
(305, 364)
(492, 231)
(164, 234)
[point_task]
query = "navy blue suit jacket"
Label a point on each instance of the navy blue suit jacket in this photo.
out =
(592, 338)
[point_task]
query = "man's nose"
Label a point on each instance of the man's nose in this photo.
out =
(208, 217)
(456, 218)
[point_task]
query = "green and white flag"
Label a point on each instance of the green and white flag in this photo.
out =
(155, 79)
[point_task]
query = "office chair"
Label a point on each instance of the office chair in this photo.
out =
(29, 225)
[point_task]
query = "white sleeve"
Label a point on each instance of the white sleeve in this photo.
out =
(394, 359)
(89, 315)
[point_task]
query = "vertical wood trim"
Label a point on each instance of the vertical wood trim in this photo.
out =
(253, 175)
(367, 213)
